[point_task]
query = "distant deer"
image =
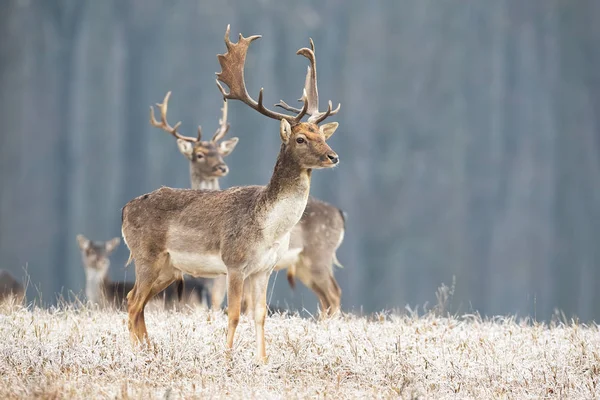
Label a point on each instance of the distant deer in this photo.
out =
(10, 288)
(206, 166)
(241, 231)
(99, 288)
(313, 241)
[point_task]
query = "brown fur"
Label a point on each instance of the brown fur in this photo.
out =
(318, 234)
(240, 226)
(10, 288)
(101, 290)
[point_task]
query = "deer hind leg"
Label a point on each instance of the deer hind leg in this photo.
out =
(335, 295)
(218, 292)
(235, 288)
(151, 279)
(247, 298)
(257, 285)
(328, 292)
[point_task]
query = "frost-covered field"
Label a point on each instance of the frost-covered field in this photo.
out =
(86, 354)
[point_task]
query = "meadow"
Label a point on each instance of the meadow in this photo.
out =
(82, 352)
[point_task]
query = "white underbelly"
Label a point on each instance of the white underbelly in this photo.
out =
(198, 264)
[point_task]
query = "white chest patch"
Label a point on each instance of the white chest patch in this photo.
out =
(285, 214)
(198, 264)
(94, 284)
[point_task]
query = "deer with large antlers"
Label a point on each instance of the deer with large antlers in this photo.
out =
(242, 231)
(314, 240)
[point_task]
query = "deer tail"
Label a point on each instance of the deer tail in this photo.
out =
(337, 262)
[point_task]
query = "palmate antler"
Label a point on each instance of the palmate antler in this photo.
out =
(310, 87)
(232, 74)
(164, 125)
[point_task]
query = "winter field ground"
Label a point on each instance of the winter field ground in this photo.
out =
(72, 352)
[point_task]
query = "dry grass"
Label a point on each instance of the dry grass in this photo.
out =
(68, 353)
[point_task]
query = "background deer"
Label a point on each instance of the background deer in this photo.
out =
(101, 290)
(241, 231)
(314, 240)
(206, 167)
(11, 290)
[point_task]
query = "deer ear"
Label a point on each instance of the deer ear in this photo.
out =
(285, 130)
(186, 148)
(112, 244)
(329, 129)
(227, 146)
(83, 242)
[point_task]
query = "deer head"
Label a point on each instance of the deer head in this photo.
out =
(205, 157)
(95, 255)
(304, 142)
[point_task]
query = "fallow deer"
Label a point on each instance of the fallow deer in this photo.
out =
(206, 167)
(100, 289)
(11, 290)
(313, 241)
(241, 231)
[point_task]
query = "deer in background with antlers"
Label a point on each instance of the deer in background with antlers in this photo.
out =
(206, 167)
(314, 240)
(241, 231)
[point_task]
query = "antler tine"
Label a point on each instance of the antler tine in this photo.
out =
(199, 137)
(287, 107)
(311, 88)
(310, 83)
(163, 124)
(223, 124)
(304, 107)
(232, 74)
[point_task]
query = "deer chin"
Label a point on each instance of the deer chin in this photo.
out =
(219, 174)
(326, 165)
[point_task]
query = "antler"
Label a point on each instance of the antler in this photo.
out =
(223, 124)
(232, 74)
(164, 125)
(310, 87)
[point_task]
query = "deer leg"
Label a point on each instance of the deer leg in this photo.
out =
(136, 301)
(258, 284)
(219, 289)
(247, 298)
(322, 296)
(151, 279)
(335, 295)
(235, 287)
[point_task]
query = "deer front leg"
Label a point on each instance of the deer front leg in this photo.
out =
(235, 286)
(259, 284)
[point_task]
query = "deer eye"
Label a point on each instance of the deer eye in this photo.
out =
(300, 140)
(199, 156)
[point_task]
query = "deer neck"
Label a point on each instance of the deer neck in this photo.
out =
(201, 181)
(95, 284)
(285, 197)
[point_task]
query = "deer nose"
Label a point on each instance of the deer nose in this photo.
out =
(333, 158)
(222, 168)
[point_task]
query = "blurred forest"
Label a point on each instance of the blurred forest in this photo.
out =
(469, 137)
